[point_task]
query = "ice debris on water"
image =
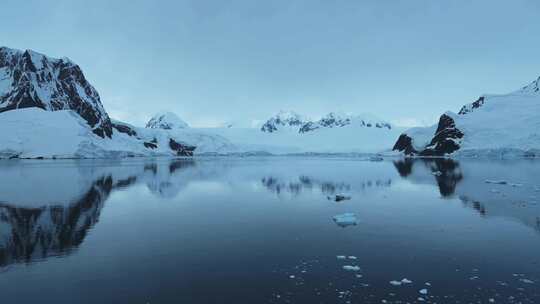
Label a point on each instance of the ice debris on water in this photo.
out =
(341, 257)
(351, 268)
(345, 219)
(402, 281)
(498, 182)
(339, 197)
(423, 291)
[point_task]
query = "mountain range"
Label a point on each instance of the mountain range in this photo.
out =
(49, 110)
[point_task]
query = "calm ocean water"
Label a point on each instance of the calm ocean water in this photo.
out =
(261, 230)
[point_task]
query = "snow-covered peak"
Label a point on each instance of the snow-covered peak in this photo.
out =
(167, 121)
(30, 79)
(283, 119)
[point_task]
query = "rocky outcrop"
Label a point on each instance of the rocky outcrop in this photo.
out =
(29, 79)
(181, 149)
(472, 106)
(124, 128)
(404, 144)
(446, 140)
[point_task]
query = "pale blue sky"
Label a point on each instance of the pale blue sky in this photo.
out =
(214, 61)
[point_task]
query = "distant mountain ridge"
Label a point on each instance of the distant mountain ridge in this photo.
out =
(301, 124)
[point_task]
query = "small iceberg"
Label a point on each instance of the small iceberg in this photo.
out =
(351, 268)
(345, 219)
(497, 182)
(339, 197)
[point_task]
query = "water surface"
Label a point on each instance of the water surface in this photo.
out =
(260, 230)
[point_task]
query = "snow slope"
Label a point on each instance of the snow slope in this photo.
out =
(166, 121)
(493, 125)
(35, 133)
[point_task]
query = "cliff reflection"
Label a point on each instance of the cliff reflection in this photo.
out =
(446, 172)
(33, 230)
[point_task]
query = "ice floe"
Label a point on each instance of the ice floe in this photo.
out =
(345, 219)
(351, 268)
(339, 197)
(498, 182)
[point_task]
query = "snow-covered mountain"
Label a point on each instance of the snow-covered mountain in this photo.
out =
(493, 125)
(334, 120)
(29, 79)
(290, 132)
(292, 121)
(166, 121)
(49, 110)
(284, 120)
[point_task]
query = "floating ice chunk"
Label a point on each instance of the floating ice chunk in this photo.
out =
(351, 268)
(491, 300)
(406, 281)
(428, 284)
(291, 276)
(352, 257)
(423, 291)
(420, 299)
(339, 197)
(345, 219)
(341, 257)
(526, 281)
(498, 182)
(359, 276)
(395, 283)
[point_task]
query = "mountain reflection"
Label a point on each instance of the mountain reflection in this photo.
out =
(306, 183)
(516, 199)
(36, 233)
(446, 172)
(33, 230)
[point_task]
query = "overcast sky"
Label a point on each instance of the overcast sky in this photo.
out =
(217, 61)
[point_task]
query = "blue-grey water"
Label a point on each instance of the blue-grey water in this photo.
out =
(261, 230)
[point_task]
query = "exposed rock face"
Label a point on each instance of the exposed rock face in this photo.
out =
(470, 107)
(446, 139)
(181, 149)
(29, 79)
(404, 144)
(166, 121)
(124, 128)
